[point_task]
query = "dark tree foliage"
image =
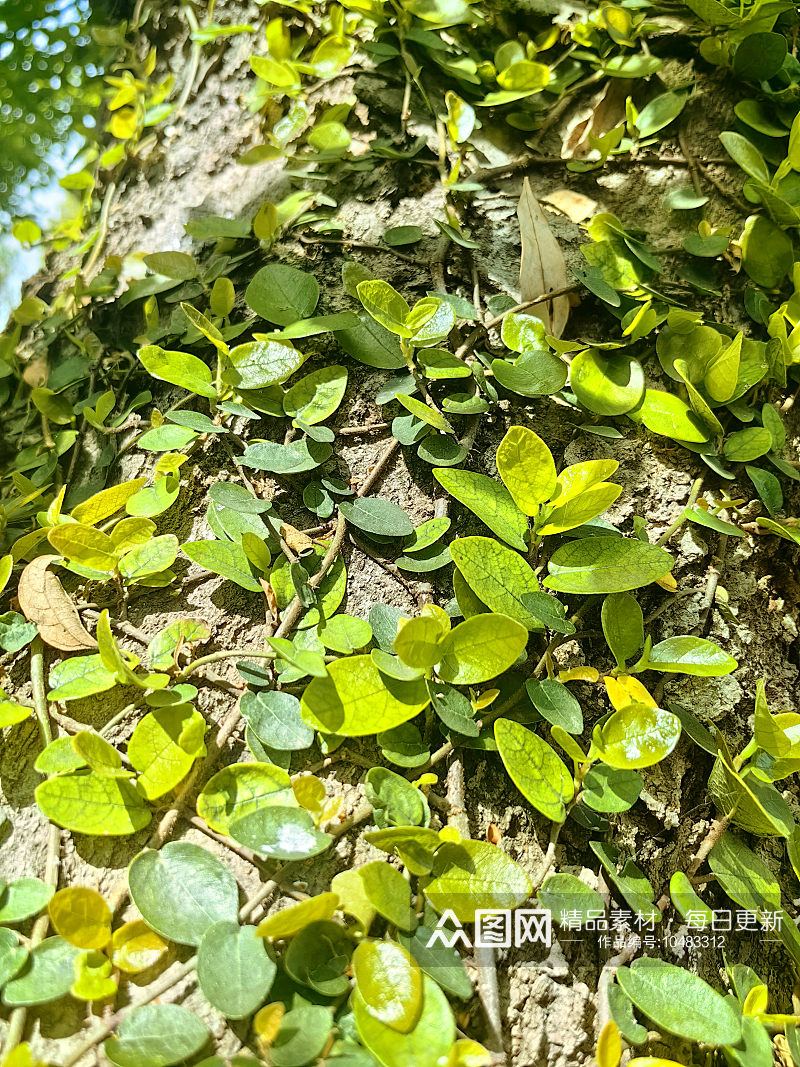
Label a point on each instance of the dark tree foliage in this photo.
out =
(51, 60)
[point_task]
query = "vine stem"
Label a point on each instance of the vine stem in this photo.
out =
(18, 1018)
(670, 531)
(102, 229)
(488, 992)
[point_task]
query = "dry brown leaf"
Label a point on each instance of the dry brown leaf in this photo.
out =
(542, 268)
(575, 206)
(296, 540)
(606, 112)
(44, 602)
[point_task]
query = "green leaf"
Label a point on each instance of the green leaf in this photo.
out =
(356, 699)
(316, 396)
(178, 368)
(280, 832)
(291, 920)
(688, 655)
(182, 632)
(370, 344)
(722, 371)
(499, 577)
(402, 235)
(330, 590)
(88, 803)
(157, 555)
(302, 1037)
(156, 1035)
(166, 438)
(240, 789)
(386, 306)
(759, 56)
(527, 469)
(636, 736)
(569, 897)
(282, 294)
(688, 903)
(680, 1002)
(606, 384)
(610, 789)
(746, 445)
(163, 747)
(415, 845)
(537, 372)
(84, 545)
(534, 768)
(489, 500)
(13, 956)
(47, 975)
(453, 708)
(623, 626)
(22, 899)
(745, 153)
(208, 892)
(424, 412)
(224, 558)
(418, 642)
(15, 632)
(606, 565)
(101, 757)
(767, 252)
(631, 884)
(480, 648)
(712, 522)
(172, 265)
(591, 502)
(668, 415)
(294, 458)
(426, 1044)
(275, 719)
(754, 805)
(556, 704)
(316, 325)
(234, 972)
(768, 488)
(389, 893)
(743, 875)
(388, 981)
(444, 965)
(426, 534)
(319, 955)
(376, 515)
(396, 802)
(471, 875)
(79, 677)
(659, 112)
(261, 364)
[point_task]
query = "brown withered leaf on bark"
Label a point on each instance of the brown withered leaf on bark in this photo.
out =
(605, 112)
(296, 540)
(542, 269)
(576, 206)
(43, 601)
